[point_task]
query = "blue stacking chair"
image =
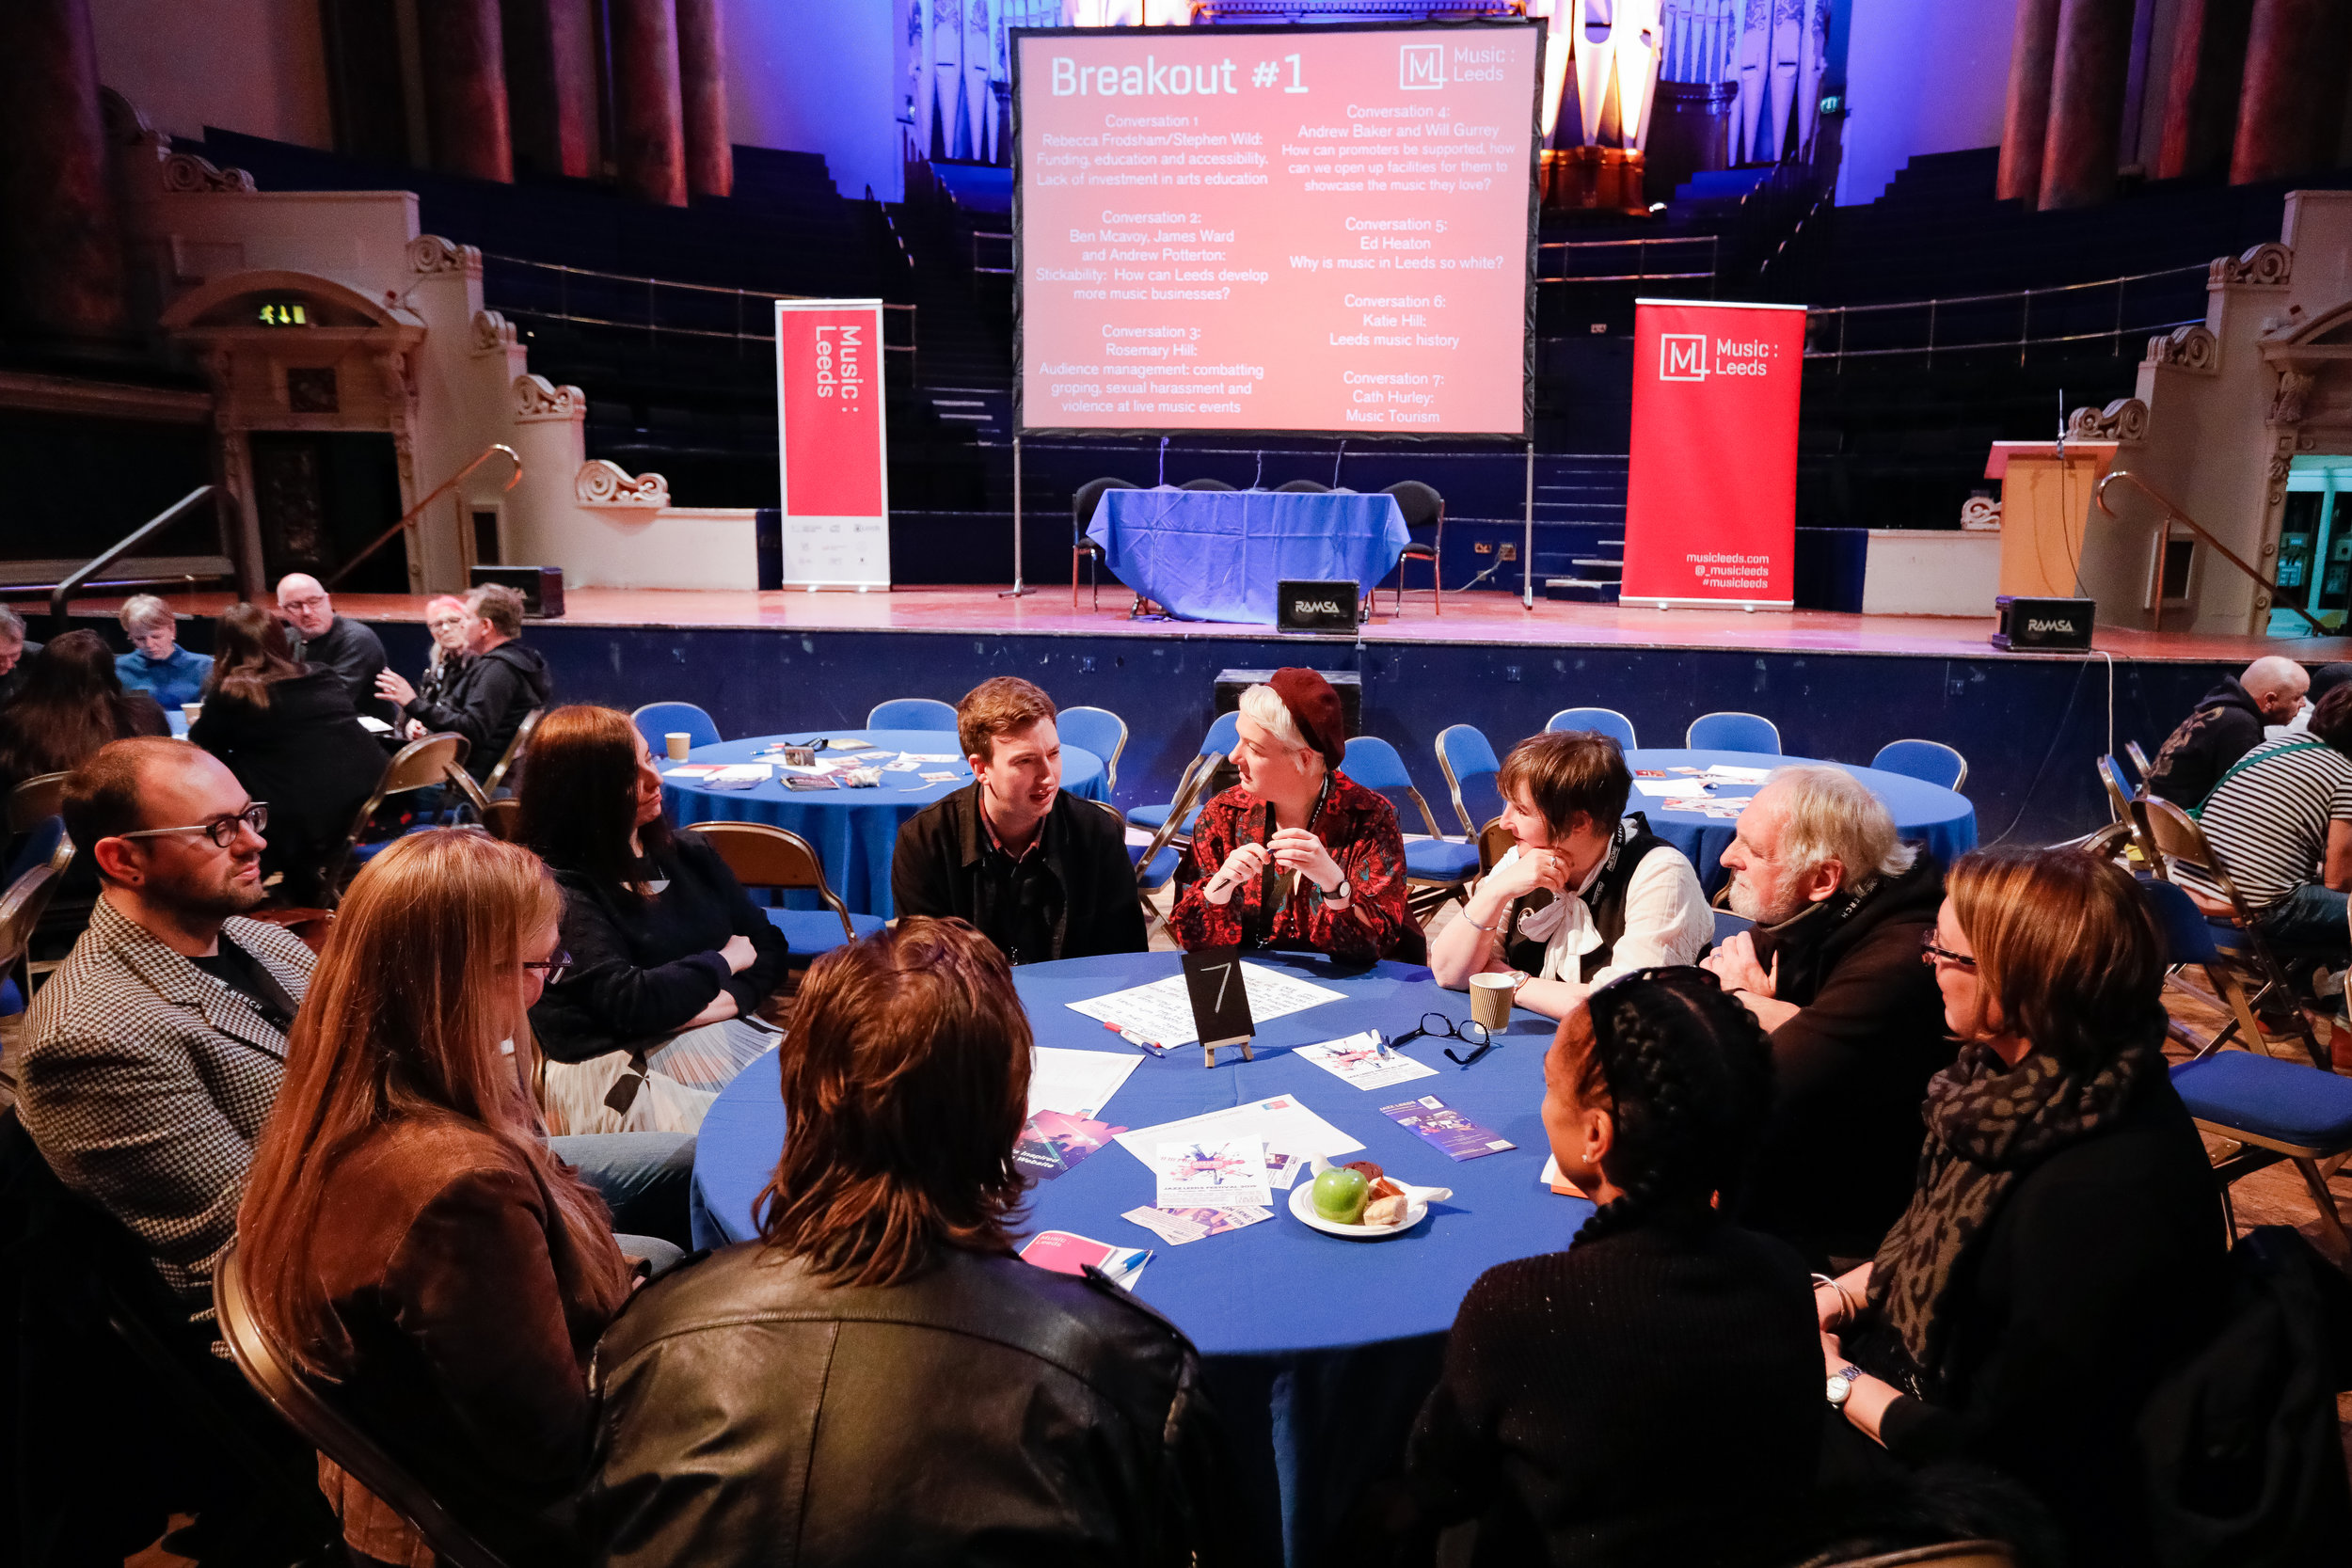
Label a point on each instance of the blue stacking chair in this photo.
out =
(1928, 761)
(765, 856)
(2271, 1111)
(1467, 761)
(656, 719)
(912, 713)
(1601, 720)
(1734, 732)
(1224, 734)
(1440, 867)
(1099, 731)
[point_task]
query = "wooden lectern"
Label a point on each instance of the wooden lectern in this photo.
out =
(2045, 502)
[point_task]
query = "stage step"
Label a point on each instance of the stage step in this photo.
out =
(1615, 565)
(1581, 589)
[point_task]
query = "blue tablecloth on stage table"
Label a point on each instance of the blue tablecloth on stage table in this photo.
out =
(1320, 1349)
(854, 830)
(1942, 817)
(1216, 555)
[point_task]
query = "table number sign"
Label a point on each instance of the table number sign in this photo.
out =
(1220, 1001)
(830, 446)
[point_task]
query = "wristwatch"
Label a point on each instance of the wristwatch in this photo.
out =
(1340, 894)
(1841, 1383)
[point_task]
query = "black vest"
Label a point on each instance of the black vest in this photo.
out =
(1605, 901)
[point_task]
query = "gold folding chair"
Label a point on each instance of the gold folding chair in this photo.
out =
(427, 764)
(515, 750)
(35, 801)
(763, 855)
(1494, 841)
(1190, 786)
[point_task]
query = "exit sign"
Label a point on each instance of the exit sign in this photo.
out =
(284, 313)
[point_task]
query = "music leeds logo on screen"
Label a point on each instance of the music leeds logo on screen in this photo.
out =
(1683, 357)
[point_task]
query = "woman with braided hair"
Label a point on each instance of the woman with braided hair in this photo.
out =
(1642, 1396)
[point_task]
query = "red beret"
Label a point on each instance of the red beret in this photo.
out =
(1315, 709)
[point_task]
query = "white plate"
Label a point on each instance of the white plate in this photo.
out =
(1417, 1202)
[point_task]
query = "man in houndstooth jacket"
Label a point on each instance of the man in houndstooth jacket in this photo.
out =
(154, 1055)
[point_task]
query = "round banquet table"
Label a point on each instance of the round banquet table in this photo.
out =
(854, 831)
(1942, 817)
(1319, 1350)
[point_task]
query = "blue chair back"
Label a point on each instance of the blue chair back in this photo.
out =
(1099, 731)
(41, 842)
(656, 719)
(1930, 761)
(1374, 764)
(1465, 755)
(1224, 734)
(2188, 936)
(1601, 721)
(1734, 732)
(912, 713)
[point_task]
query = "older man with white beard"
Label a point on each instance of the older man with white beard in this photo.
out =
(1835, 973)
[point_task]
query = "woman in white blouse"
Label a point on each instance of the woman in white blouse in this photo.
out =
(1585, 895)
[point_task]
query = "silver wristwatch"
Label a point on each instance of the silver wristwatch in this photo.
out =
(1841, 1383)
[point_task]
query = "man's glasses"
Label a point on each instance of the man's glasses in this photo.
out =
(1931, 952)
(1469, 1031)
(554, 969)
(220, 829)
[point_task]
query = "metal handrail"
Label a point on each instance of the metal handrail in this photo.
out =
(409, 519)
(649, 284)
(107, 557)
(2022, 299)
(2173, 514)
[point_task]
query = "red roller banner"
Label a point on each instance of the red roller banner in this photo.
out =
(830, 447)
(1711, 506)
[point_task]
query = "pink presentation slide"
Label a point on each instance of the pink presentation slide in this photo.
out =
(1308, 229)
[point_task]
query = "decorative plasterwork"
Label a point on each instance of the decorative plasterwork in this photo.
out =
(429, 254)
(537, 397)
(2193, 348)
(492, 332)
(2265, 265)
(2287, 402)
(603, 484)
(2124, 419)
(186, 173)
(182, 172)
(1981, 512)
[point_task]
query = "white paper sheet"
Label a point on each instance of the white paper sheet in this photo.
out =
(1282, 1122)
(1210, 1173)
(1725, 772)
(1672, 790)
(1076, 1083)
(1357, 1059)
(1161, 1012)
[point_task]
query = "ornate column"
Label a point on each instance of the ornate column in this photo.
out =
(2087, 77)
(461, 48)
(701, 79)
(2027, 120)
(2292, 99)
(61, 272)
(552, 85)
(2201, 93)
(649, 130)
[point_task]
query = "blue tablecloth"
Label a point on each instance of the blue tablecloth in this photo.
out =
(1320, 1349)
(854, 830)
(1216, 555)
(1942, 817)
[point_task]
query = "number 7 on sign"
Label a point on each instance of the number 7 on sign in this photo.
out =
(1220, 1011)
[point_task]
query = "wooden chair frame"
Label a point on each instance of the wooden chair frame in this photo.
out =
(424, 764)
(749, 848)
(515, 750)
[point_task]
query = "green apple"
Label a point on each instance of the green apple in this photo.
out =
(1338, 1195)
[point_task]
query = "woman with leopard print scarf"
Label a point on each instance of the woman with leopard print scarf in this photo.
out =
(2064, 1247)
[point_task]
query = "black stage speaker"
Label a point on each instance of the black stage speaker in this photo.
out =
(542, 587)
(1304, 604)
(2043, 623)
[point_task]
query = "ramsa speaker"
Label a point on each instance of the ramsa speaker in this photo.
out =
(1306, 605)
(542, 587)
(2043, 623)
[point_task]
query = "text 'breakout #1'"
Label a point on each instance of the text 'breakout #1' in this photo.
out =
(1315, 231)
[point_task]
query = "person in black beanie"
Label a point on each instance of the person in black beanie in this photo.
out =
(1647, 1395)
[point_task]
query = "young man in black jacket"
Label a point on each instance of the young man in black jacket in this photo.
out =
(1039, 873)
(503, 681)
(2228, 722)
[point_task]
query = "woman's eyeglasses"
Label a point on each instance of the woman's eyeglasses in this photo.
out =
(1932, 952)
(1469, 1031)
(552, 969)
(220, 829)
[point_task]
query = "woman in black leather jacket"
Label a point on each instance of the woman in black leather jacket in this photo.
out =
(879, 1380)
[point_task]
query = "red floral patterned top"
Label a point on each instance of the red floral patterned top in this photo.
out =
(1356, 826)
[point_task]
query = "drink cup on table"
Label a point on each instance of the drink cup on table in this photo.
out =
(189, 710)
(677, 742)
(1490, 1000)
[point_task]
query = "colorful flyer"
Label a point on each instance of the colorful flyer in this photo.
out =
(1054, 1142)
(1065, 1252)
(1360, 1060)
(1177, 1227)
(1229, 1173)
(1434, 1121)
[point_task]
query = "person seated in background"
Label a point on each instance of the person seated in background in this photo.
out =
(1297, 854)
(335, 642)
(14, 649)
(2227, 723)
(1583, 1390)
(289, 733)
(878, 1379)
(2280, 820)
(72, 704)
(2064, 1248)
(501, 682)
(156, 664)
(670, 959)
(406, 1235)
(1040, 874)
(1584, 894)
(1831, 970)
(451, 627)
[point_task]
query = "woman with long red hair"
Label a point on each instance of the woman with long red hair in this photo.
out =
(406, 1232)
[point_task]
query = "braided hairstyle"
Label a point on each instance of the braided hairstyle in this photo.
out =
(1687, 1074)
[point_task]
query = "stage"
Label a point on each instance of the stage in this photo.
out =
(1839, 686)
